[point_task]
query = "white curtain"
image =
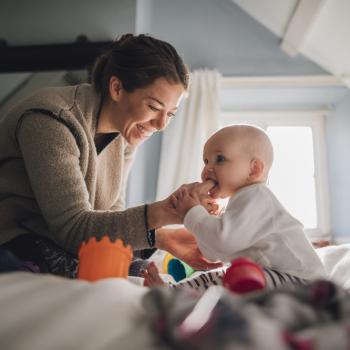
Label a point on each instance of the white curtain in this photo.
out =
(183, 140)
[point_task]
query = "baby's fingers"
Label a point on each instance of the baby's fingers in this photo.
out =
(214, 207)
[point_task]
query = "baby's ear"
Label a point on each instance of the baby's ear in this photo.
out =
(257, 168)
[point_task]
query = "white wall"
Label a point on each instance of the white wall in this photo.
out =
(219, 34)
(212, 34)
(338, 141)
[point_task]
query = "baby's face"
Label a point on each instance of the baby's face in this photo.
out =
(226, 165)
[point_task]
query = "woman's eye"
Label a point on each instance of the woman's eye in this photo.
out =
(220, 158)
(171, 115)
(154, 109)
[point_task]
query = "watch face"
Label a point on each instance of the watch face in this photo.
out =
(151, 237)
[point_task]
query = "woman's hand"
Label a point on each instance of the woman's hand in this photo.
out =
(164, 212)
(182, 244)
(184, 201)
(190, 195)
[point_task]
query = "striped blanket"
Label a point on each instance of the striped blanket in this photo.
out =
(201, 281)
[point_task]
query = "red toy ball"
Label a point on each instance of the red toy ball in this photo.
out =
(243, 276)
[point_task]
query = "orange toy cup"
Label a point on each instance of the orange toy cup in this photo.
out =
(104, 259)
(244, 276)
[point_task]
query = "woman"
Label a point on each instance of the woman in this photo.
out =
(65, 154)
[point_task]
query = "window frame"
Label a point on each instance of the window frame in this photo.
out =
(315, 119)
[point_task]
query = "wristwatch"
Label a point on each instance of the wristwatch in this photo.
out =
(151, 237)
(151, 233)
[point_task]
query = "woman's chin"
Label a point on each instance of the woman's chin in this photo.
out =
(135, 141)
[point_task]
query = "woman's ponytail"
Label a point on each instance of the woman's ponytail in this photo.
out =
(138, 61)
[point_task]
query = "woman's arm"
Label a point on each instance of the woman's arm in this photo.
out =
(182, 244)
(52, 163)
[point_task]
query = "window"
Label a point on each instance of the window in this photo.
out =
(298, 177)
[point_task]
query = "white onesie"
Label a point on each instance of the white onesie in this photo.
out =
(255, 224)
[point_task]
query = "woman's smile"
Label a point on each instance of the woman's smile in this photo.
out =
(144, 132)
(137, 115)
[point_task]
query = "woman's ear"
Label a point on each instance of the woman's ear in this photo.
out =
(257, 168)
(115, 88)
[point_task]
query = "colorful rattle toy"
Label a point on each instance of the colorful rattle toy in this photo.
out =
(243, 276)
(176, 268)
(104, 259)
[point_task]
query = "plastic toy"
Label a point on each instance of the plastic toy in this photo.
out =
(176, 268)
(104, 259)
(243, 276)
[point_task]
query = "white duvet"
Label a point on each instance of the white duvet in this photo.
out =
(39, 312)
(337, 262)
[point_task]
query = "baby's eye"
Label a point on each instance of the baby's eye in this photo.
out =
(220, 158)
(205, 161)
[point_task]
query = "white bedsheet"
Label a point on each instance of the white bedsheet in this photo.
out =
(337, 262)
(39, 312)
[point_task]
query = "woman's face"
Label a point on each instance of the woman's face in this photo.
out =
(138, 114)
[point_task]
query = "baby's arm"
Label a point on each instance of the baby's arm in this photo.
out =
(246, 220)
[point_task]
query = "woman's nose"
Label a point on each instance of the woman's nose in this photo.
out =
(162, 121)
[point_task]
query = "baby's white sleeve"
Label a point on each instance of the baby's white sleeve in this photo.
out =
(246, 219)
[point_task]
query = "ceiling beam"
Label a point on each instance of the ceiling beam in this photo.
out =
(34, 58)
(283, 81)
(304, 15)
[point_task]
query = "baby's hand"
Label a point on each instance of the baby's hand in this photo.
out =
(206, 200)
(184, 200)
(210, 205)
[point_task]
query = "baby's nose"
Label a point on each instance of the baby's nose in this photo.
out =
(206, 171)
(208, 168)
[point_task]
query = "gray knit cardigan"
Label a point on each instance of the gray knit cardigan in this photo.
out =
(53, 182)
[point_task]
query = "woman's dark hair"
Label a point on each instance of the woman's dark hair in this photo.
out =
(138, 61)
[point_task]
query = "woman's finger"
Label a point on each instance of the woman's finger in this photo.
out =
(173, 201)
(187, 186)
(209, 265)
(192, 185)
(184, 192)
(204, 187)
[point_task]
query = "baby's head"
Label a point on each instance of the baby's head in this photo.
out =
(236, 156)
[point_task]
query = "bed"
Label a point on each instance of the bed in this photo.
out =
(49, 312)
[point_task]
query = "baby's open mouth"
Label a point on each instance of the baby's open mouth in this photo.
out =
(215, 187)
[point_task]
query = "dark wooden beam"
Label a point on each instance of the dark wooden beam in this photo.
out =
(72, 56)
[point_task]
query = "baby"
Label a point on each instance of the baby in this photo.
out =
(254, 224)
